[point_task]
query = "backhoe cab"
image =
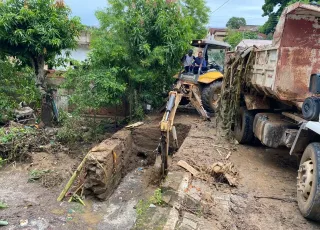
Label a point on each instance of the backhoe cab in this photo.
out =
(202, 89)
(207, 82)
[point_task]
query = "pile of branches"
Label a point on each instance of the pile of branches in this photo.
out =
(17, 141)
(238, 71)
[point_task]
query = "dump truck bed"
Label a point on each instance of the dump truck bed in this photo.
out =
(283, 70)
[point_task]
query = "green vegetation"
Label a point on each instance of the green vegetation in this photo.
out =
(3, 205)
(143, 208)
(78, 129)
(236, 23)
(136, 51)
(273, 9)
(17, 85)
(13, 134)
(36, 175)
(16, 142)
(35, 31)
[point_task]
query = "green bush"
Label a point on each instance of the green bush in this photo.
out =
(78, 129)
(136, 51)
(16, 85)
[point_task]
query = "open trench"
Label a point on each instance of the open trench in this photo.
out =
(121, 171)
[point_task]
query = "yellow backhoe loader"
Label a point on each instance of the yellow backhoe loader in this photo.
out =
(202, 89)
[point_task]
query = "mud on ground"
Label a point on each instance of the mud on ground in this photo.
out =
(265, 197)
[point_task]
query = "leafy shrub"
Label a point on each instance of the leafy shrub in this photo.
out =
(77, 129)
(136, 51)
(17, 141)
(16, 85)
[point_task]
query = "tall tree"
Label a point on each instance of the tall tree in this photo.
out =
(273, 9)
(36, 31)
(236, 23)
(139, 46)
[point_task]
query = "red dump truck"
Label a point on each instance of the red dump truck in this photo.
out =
(278, 96)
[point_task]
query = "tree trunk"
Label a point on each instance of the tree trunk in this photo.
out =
(46, 110)
(40, 73)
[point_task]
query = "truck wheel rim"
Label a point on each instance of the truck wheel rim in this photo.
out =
(305, 179)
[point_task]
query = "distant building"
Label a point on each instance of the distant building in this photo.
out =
(81, 52)
(218, 34)
(252, 28)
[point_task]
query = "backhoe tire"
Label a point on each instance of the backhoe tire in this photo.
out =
(308, 183)
(243, 129)
(210, 96)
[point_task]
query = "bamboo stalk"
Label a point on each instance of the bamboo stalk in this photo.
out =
(72, 179)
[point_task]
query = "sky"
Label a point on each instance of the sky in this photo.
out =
(249, 9)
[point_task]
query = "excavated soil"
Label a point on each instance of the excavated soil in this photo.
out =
(265, 197)
(33, 205)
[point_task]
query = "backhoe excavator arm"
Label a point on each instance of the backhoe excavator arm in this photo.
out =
(167, 122)
(166, 126)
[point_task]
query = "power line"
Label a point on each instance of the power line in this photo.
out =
(220, 6)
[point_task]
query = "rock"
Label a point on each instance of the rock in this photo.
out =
(24, 223)
(152, 206)
(3, 223)
(207, 196)
(51, 131)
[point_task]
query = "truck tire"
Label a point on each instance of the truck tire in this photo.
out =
(243, 129)
(210, 96)
(308, 189)
(311, 108)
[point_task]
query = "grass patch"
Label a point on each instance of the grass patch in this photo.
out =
(144, 211)
(3, 205)
(36, 175)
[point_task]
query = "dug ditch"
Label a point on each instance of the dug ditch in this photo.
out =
(120, 173)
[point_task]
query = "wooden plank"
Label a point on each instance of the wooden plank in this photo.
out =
(188, 167)
(135, 125)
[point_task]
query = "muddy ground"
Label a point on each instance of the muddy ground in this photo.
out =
(263, 199)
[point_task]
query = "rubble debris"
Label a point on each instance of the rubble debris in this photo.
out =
(224, 171)
(17, 141)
